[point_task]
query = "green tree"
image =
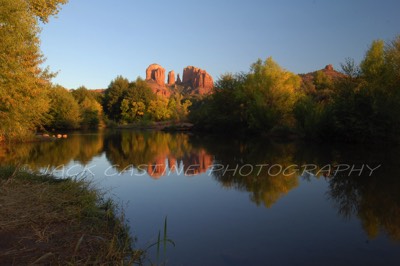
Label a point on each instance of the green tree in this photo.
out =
(114, 95)
(322, 81)
(350, 68)
(132, 111)
(258, 101)
(64, 109)
(373, 65)
(392, 56)
(135, 101)
(90, 109)
(158, 109)
(139, 91)
(367, 107)
(179, 107)
(311, 117)
(270, 93)
(23, 83)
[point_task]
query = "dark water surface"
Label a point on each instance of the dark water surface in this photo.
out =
(231, 202)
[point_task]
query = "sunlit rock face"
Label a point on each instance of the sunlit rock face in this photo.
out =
(155, 76)
(171, 78)
(197, 80)
(194, 80)
(156, 73)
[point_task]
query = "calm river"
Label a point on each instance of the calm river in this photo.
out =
(236, 202)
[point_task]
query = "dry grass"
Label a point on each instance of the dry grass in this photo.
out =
(44, 220)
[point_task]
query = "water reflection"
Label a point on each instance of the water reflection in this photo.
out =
(80, 148)
(375, 200)
(246, 168)
(158, 153)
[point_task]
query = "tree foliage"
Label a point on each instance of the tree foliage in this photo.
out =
(131, 102)
(113, 97)
(91, 110)
(43, 9)
(365, 104)
(272, 92)
(23, 83)
(64, 109)
(258, 101)
(158, 109)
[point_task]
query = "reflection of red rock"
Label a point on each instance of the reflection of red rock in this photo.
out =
(197, 163)
(193, 164)
(158, 168)
(172, 165)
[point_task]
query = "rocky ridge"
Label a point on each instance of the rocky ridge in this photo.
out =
(194, 81)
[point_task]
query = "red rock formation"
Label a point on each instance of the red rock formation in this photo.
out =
(156, 73)
(199, 80)
(155, 76)
(171, 78)
(329, 67)
(158, 89)
(328, 70)
(194, 80)
(178, 80)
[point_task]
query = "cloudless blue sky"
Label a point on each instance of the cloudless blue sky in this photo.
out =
(93, 41)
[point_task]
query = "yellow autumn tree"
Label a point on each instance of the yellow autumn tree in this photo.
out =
(23, 83)
(270, 93)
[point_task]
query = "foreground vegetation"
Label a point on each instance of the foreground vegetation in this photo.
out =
(45, 220)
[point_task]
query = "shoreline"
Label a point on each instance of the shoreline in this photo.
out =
(46, 220)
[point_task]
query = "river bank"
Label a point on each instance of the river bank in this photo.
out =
(45, 220)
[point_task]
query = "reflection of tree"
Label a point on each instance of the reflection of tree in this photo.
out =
(375, 199)
(264, 188)
(81, 148)
(346, 193)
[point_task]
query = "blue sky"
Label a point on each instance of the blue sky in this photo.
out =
(93, 41)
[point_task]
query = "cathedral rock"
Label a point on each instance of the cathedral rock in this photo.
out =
(156, 73)
(194, 80)
(155, 76)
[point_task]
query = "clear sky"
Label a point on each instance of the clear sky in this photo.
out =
(93, 41)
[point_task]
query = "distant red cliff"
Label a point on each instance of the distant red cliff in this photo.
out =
(194, 81)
